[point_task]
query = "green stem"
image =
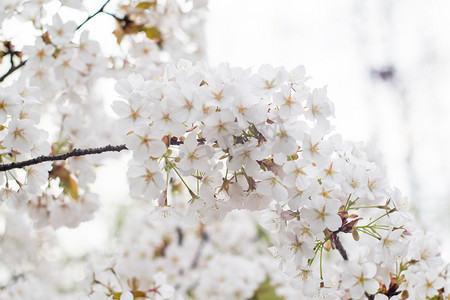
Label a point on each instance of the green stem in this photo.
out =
(383, 215)
(198, 182)
(347, 204)
(364, 229)
(173, 167)
(321, 251)
(374, 206)
(17, 181)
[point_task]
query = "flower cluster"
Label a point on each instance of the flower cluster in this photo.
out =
(60, 75)
(263, 142)
(234, 168)
(193, 258)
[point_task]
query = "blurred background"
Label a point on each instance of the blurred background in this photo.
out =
(387, 67)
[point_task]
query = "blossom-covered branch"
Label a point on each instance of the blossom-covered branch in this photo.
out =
(73, 153)
(14, 67)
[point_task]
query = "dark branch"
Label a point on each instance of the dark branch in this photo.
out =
(12, 69)
(91, 16)
(340, 248)
(73, 153)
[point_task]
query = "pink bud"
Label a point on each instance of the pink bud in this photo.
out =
(286, 215)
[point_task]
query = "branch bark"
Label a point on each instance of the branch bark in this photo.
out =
(12, 69)
(340, 248)
(73, 153)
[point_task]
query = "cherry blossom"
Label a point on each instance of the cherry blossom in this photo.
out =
(249, 193)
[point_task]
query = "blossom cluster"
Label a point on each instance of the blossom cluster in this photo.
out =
(247, 192)
(58, 84)
(263, 142)
(193, 258)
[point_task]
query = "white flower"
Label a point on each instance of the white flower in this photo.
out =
(133, 113)
(255, 201)
(298, 174)
(289, 103)
(24, 92)
(68, 66)
(360, 279)
(391, 247)
(217, 94)
(377, 185)
(268, 79)
(315, 149)
(429, 283)
(425, 249)
(194, 156)
(221, 127)
(245, 156)
(355, 182)
(21, 135)
(61, 33)
(146, 180)
(145, 141)
(296, 245)
(319, 107)
(212, 209)
(401, 204)
(37, 175)
(134, 83)
(272, 186)
(321, 213)
(247, 108)
(332, 173)
(297, 76)
(9, 105)
(87, 49)
(164, 119)
(211, 180)
(184, 104)
(40, 53)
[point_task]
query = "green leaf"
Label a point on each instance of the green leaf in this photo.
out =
(152, 33)
(146, 4)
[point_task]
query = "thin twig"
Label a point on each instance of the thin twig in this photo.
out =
(91, 16)
(73, 153)
(12, 69)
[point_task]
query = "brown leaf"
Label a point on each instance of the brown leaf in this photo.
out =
(67, 181)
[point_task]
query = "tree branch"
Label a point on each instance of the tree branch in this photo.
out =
(340, 248)
(12, 69)
(73, 153)
(91, 16)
